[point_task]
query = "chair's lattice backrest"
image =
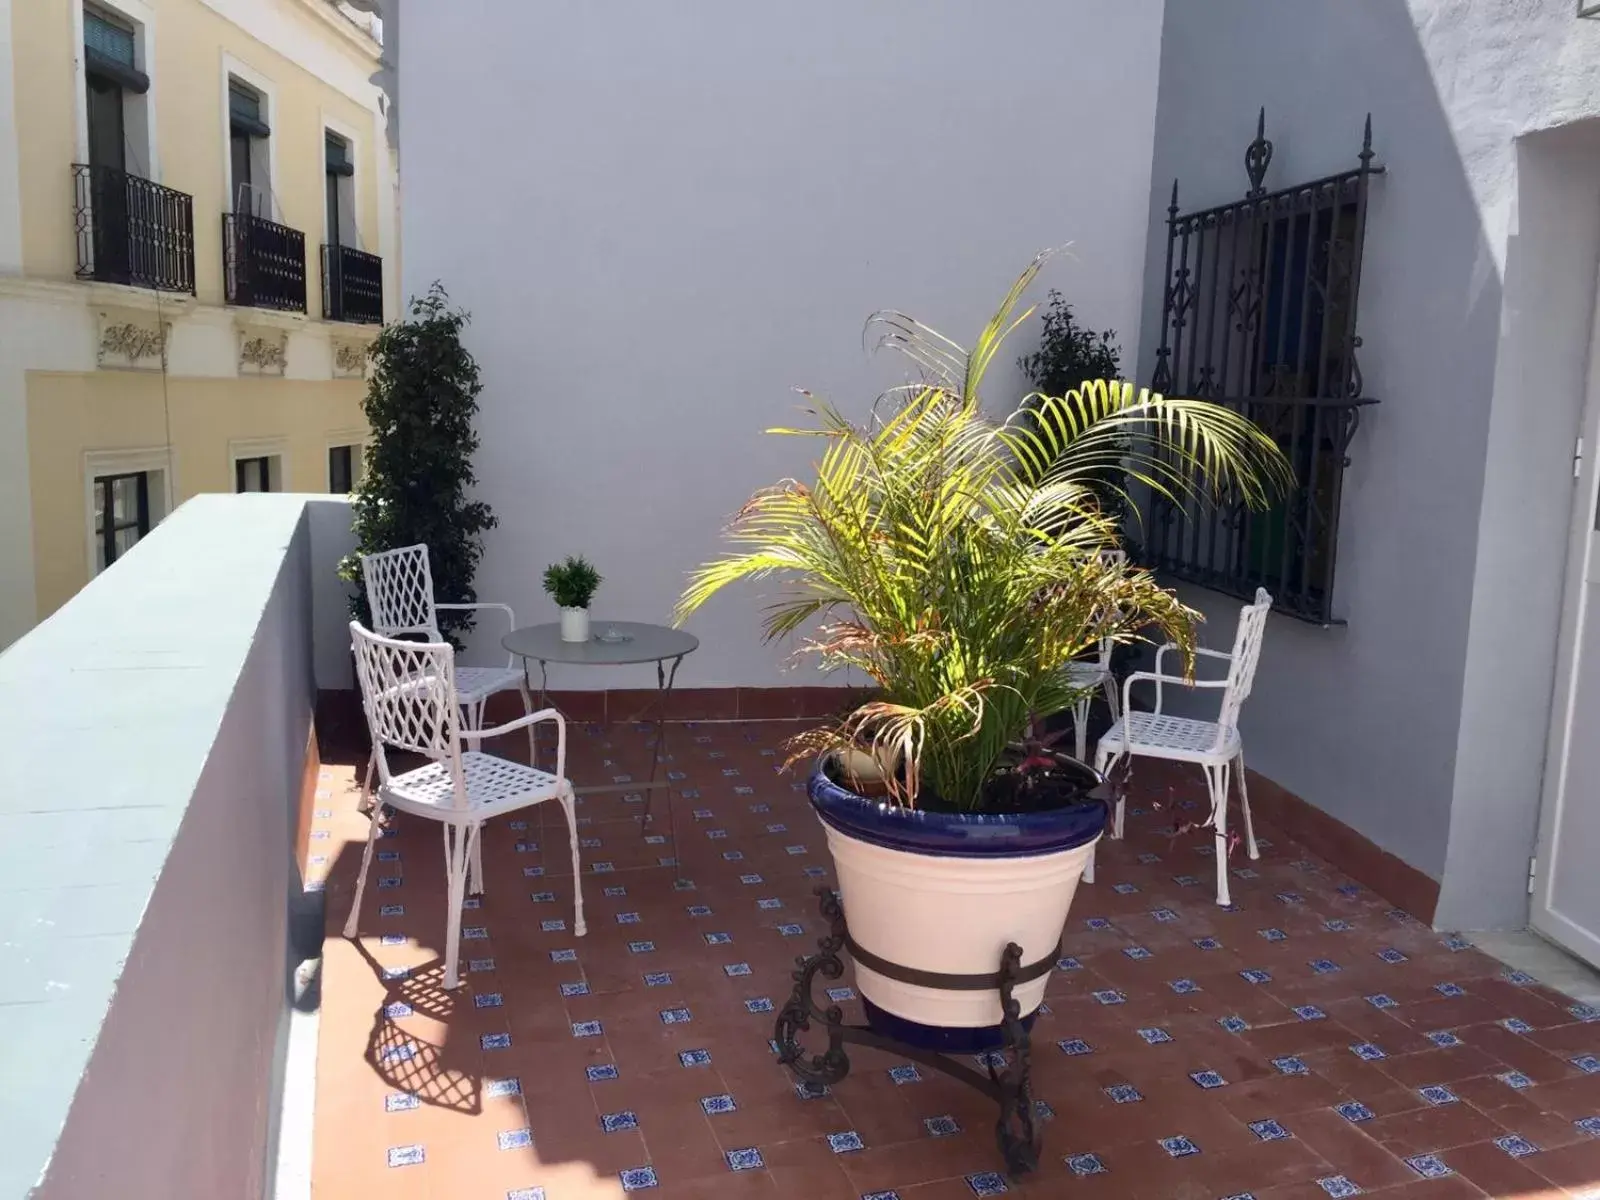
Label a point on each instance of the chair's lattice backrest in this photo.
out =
(408, 690)
(1246, 654)
(400, 592)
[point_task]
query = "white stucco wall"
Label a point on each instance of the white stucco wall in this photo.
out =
(663, 218)
(1422, 723)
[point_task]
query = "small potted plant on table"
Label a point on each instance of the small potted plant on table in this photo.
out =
(572, 585)
(957, 562)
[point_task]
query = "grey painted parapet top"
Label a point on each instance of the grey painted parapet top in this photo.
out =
(112, 707)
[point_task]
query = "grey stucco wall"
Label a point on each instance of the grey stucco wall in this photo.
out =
(1421, 723)
(690, 212)
(146, 859)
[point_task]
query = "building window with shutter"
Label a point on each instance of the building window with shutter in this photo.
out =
(121, 514)
(344, 468)
(262, 473)
(249, 157)
(339, 173)
(115, 86)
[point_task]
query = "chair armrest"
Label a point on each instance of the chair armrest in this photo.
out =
(1161, 653)
(1200, 652)
(1158, 679)
(505, 608)
(544, 714)
(511, 618)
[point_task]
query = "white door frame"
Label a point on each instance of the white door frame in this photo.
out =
(1583, 562)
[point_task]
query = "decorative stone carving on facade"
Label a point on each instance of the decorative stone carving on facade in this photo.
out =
(132, 341)
(263, 351)
(349, 360)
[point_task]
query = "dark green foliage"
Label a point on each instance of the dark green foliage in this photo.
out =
(1069, 354)
(420, 404)
(572, 583)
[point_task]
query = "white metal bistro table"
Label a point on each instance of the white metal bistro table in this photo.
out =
(614, 644)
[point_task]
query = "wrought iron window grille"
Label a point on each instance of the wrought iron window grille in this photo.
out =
(1259, 314)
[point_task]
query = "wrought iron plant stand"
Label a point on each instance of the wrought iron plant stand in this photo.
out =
(1008, 1084)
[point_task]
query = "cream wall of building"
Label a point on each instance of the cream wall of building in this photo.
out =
(64, 406)
(192, 40)
(209, 420)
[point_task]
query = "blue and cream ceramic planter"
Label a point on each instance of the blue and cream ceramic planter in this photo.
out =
(945, 892)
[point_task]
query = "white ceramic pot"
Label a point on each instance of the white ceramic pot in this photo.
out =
(953, 916)
(574, 624)
(946, 892)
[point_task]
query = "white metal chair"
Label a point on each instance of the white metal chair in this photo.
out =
(399, 587)
(1213, 745)
(1091, 673)
(409, 692)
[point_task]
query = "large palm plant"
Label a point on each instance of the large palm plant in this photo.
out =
(956, 560)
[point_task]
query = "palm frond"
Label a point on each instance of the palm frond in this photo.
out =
(1179, 448)
(958, 562)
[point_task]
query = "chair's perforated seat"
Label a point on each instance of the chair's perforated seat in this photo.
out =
(1158, 735)
(493, 784)
(477, 683)
(1085, 674)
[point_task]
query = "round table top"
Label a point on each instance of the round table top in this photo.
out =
(646, 643)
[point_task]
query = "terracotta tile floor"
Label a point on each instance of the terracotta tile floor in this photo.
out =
(1354, 1050)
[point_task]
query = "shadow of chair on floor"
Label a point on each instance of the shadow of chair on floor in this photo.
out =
(409, 1063)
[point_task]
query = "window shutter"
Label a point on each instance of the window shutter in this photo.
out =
(108, 39)
(108, 51)
(338, 156)
(244, 111)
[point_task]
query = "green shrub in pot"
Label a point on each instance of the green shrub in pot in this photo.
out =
(572, 585)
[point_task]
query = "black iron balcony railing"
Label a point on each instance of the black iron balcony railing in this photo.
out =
(352, 285)
(263, 263)
(132, 231)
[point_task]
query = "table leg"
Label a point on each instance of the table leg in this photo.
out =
(665, 678)
(544, 702)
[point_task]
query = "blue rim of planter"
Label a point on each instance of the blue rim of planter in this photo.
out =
(961, 834)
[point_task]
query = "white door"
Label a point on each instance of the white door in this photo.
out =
(1566, 891)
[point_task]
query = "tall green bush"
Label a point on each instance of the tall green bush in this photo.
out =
(1069, 355)
(420, 404)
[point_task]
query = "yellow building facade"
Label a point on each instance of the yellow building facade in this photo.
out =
(198, 242)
